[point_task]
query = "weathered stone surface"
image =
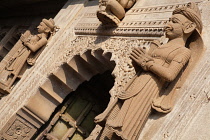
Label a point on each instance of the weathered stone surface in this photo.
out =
(82, 36)
(35, 76)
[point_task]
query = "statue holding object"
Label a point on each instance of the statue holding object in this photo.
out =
(112, 11)
(27, 53)
(161, 65)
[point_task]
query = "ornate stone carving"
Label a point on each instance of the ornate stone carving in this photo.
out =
(28, 52)
(18, 130)
(10, 39)
(125, 24)
(36, 75)
(135, 31)
(139, 26)
(156, 9)
(120, 49)
(160, 65)
(21, 126)
(112, 11)
(66, 44)
(90, 15)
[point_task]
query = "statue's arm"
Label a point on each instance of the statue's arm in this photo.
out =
(38, 45)
(170, 73)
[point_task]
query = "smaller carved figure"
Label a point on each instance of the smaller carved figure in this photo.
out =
(27, 52)
(112, 11)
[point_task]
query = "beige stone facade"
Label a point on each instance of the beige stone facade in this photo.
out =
(82, 48)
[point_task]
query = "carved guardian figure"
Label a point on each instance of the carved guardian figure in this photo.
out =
(161, 65)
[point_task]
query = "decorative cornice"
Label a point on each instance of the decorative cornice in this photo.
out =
(144, 10)
(155, 9)
(135, 32)
(90, 15)
(152, 23)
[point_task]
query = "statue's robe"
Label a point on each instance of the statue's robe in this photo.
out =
(17, 63)
(143, 89)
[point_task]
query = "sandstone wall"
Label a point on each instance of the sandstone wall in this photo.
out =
(80, 31)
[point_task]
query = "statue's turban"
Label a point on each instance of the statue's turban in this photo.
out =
(49, 23)
(191, 12)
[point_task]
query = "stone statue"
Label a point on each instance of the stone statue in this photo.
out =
(160, 65)
(30, 49)
(112, 11)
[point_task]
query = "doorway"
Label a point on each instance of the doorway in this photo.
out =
(74, 118)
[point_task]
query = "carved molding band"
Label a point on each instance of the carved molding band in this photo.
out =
(144, 23)
(132, 24)
(129, 28)
(142, 10)
(90, 15)
(165, 8)
(142, 32)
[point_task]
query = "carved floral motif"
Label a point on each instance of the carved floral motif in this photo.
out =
(18, 130)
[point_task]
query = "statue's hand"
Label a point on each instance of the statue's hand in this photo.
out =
(26, 43)
(23, 38)
(141, 57)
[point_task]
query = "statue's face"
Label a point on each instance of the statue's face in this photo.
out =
(176, 26)
(41, 28)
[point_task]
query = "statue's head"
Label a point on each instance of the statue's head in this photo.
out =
(184, 22)
(46, 26)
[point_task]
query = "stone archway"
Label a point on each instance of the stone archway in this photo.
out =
(74, 118)
(67, 79)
